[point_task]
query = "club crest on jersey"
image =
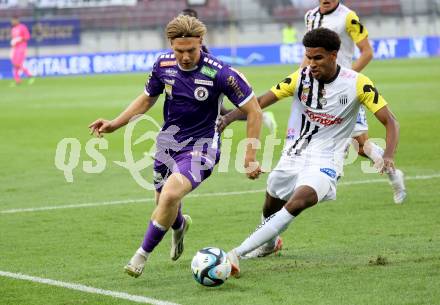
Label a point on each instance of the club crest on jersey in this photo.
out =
(343, 99)
(201, 94)
(305, 94)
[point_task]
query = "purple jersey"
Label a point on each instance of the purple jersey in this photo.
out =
(193, 99)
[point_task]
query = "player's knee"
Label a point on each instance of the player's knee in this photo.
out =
(170, 197)
(272, 205)
(296, 206)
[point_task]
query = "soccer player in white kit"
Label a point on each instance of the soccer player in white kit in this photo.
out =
(326, 101)
(335, 16)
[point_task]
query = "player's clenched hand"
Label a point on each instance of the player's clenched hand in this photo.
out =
(101, 126)
(253, 169)
(222, 123)
(385, 165)
(388, 165)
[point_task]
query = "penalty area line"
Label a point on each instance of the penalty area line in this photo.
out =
(87, 289)
(130, 201)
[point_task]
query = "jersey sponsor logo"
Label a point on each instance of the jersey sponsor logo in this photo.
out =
(169, 81)
(201, 94)
(329, 172)
(343, 99)
(168, 63)
(203, 82)
(233, 83)
(323, 118)
(210, 72)
(171, 72)
(348, 74)
(241, 75)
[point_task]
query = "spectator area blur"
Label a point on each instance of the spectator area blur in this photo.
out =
(146, 13)
(285, 10)
(156, 13)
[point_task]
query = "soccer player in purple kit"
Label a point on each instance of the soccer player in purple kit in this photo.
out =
(188, 145)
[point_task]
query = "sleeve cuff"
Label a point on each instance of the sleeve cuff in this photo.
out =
(246, 99)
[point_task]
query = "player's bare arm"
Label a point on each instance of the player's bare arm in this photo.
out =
(387, 118)
(366, 55)
(264, 101)
(140, 105)
(254, 119)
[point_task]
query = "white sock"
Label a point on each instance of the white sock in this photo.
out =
(270, 228)
(142, 252)
(271, 242)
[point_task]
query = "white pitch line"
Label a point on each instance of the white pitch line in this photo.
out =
(129, 201)
(88, 289)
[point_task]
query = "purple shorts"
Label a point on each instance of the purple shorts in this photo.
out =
(193, 164)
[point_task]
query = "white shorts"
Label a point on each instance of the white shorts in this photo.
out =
(361, 126)
(285, 179)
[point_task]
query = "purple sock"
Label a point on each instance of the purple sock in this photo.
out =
(179, 219)
(152, 238)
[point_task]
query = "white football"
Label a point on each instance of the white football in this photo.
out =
(211, 267)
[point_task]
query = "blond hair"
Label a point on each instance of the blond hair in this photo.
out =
(185, 26)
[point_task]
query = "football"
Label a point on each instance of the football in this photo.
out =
(211, 267)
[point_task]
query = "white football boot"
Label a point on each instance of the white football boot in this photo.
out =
(177, 239)
(265, 250)
(135, 266)
(235, 264)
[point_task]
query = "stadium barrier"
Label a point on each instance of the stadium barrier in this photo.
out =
(142, 61)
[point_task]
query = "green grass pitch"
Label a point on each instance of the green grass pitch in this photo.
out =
(360, 249)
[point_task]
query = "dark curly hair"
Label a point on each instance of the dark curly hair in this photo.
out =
(322, 38)
(190, 12)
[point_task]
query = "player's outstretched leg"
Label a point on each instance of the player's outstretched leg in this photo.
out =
(153, 236)
(303, 197)
(177, 238)
(266, 249)
(274, 245)
(163, 217)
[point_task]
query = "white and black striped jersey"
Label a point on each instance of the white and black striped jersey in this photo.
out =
(323, 114)
(345, 23)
